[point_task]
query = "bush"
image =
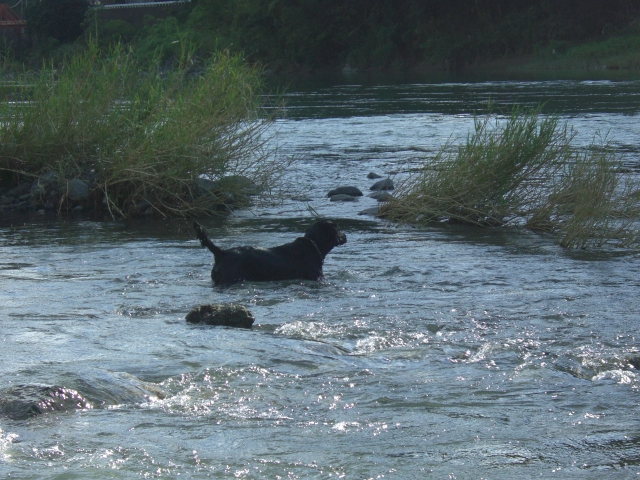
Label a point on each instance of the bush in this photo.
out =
(592, 203)
(141, 137)
(491, 180)
(58, 19)
(524, 171)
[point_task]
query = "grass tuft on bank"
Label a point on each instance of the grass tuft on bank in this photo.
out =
(183, 141)
(523, 170)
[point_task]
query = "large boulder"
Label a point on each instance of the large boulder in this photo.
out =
(228, 315)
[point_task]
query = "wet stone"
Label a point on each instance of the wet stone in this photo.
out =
(77, 189)
(143, 205)
(345, 190)
(19, 190)
(381, 195)
(373, 211)
(342, 198)
(226, 315)
(386, 184)
(26, 401)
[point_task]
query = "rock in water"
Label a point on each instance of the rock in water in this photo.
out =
(26, 401)
(381, 195)
(229, 315)
(346, 190)
(386, 184)
(341, 197)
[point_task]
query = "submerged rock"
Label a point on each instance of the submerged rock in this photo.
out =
(346, 190)
(229, 315)
(104, 388)
(373, 176)
(26, 401)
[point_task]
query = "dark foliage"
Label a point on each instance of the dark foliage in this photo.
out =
(378, 33)
(57, 19)
(320, 34)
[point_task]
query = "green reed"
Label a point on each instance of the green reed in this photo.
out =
(490, 180)
(593, 203)
(140, 133)
(523, 171)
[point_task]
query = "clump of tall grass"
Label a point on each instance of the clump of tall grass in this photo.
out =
(592, 203)
(140, 135)
(523, 171)
(493, 179)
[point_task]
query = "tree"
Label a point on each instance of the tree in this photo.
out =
(58, 19)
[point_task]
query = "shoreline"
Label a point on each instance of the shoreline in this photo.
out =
(582, 61)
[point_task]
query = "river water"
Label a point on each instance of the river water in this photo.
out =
(424, 353)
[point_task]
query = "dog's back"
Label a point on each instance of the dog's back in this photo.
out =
(301, 259)
(296, 260)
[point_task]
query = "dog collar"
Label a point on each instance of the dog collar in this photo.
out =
(316, 247)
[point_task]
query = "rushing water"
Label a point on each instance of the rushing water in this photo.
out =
(425, 353)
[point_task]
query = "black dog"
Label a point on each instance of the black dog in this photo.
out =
(300, 259)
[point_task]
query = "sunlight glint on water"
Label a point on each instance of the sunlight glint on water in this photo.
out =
(462, 352)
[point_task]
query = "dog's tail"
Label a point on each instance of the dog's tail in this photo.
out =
(205, 241)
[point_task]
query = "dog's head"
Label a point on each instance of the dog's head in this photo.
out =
(326, 235)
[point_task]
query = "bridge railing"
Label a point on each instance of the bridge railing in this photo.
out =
(141, 4)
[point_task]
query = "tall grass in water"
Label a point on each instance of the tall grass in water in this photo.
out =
(591, 203)
(523, 171)
(492, 179)
(140, 136)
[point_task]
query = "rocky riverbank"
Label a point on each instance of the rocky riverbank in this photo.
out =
(53, 194)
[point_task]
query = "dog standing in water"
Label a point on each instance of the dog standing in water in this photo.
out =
(301, 259)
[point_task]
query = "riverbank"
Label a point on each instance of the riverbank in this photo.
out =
(617, 57)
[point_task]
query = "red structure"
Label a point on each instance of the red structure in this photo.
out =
(10, 20)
